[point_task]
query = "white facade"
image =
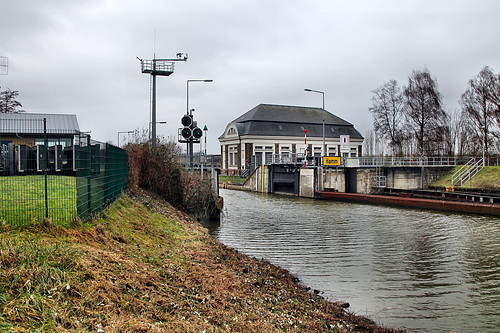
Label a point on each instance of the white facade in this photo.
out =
(251, 140)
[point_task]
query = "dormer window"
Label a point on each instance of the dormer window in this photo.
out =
(231, 131)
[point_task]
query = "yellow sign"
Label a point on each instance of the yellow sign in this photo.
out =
(331, 160)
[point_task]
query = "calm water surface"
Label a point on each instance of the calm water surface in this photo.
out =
(420, 270)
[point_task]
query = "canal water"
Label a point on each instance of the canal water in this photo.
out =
(425, 271)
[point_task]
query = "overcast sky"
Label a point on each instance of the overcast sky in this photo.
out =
(79, 57)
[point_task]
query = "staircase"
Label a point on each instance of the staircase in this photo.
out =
(466, 172)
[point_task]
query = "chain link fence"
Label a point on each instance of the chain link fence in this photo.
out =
(59, 175)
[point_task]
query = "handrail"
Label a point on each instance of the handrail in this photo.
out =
(391, 161)
(466, 172)
(458, 175)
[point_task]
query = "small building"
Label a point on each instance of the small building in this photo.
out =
(268, 133)
(22, 135)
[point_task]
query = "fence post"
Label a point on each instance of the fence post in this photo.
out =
(45, 143)
(89, 175)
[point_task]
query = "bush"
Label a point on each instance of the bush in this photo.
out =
(157, 169)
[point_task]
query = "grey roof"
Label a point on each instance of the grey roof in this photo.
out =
(290, 114)
(32, 123)
(282, 120)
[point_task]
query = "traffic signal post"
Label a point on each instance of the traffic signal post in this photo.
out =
(190, 133)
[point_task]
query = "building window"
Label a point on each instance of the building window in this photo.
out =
(54, 142)
(231, 131)
(233, 159)
(269, 158)
(233, 156)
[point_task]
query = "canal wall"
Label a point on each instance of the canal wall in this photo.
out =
(258, 181)
(411, 177)
(307, 181)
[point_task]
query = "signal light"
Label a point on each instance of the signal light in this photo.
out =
(186, 133)
(197, 133)
(187, 120)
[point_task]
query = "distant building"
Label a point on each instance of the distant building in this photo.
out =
(23, 134)
(27, 129)
(268, 131)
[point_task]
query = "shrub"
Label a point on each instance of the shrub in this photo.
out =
(157, 169)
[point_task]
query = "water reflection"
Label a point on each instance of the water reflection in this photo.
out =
(425, 271)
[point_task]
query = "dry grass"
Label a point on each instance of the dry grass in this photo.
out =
(147, 267)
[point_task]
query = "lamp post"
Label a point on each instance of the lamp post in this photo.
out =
(128, 132)
(323, 149)
(156, 122)
(484, 144)
(190, 141)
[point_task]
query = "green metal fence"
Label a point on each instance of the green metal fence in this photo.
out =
(56, 174)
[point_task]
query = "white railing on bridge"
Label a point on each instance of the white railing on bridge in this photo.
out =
(365, 161)
(286, 158)
(391, 161)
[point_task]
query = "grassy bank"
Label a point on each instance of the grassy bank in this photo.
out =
(488, 177)
(144, 266)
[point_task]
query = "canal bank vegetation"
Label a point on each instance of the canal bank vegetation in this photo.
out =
(145, 266)
(158, 169)
(488, 178)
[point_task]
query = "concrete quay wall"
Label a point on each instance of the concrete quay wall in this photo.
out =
(349, 180)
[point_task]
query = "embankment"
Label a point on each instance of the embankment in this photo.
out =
(144, 266)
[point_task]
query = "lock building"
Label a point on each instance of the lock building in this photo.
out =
(269, 134)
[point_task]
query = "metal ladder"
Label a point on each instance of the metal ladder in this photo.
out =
(380, 179)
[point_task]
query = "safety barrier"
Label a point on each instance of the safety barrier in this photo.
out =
(57, 175)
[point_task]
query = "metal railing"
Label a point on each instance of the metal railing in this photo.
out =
(56, 175)
(466, 172)
(390, 161)
(157, 66)
(285, 158)
(365, 161)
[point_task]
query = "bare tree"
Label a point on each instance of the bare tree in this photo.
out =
(480, 108)
(456, 137)
(369, 143)
(387, 110)
(424, 113)
(8, 102)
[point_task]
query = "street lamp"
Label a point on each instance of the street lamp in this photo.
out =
(323, 94)
(128, 132)
(156, 122)
(484, 144)
(190, 141)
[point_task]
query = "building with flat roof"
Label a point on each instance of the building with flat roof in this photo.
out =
(269, 132)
